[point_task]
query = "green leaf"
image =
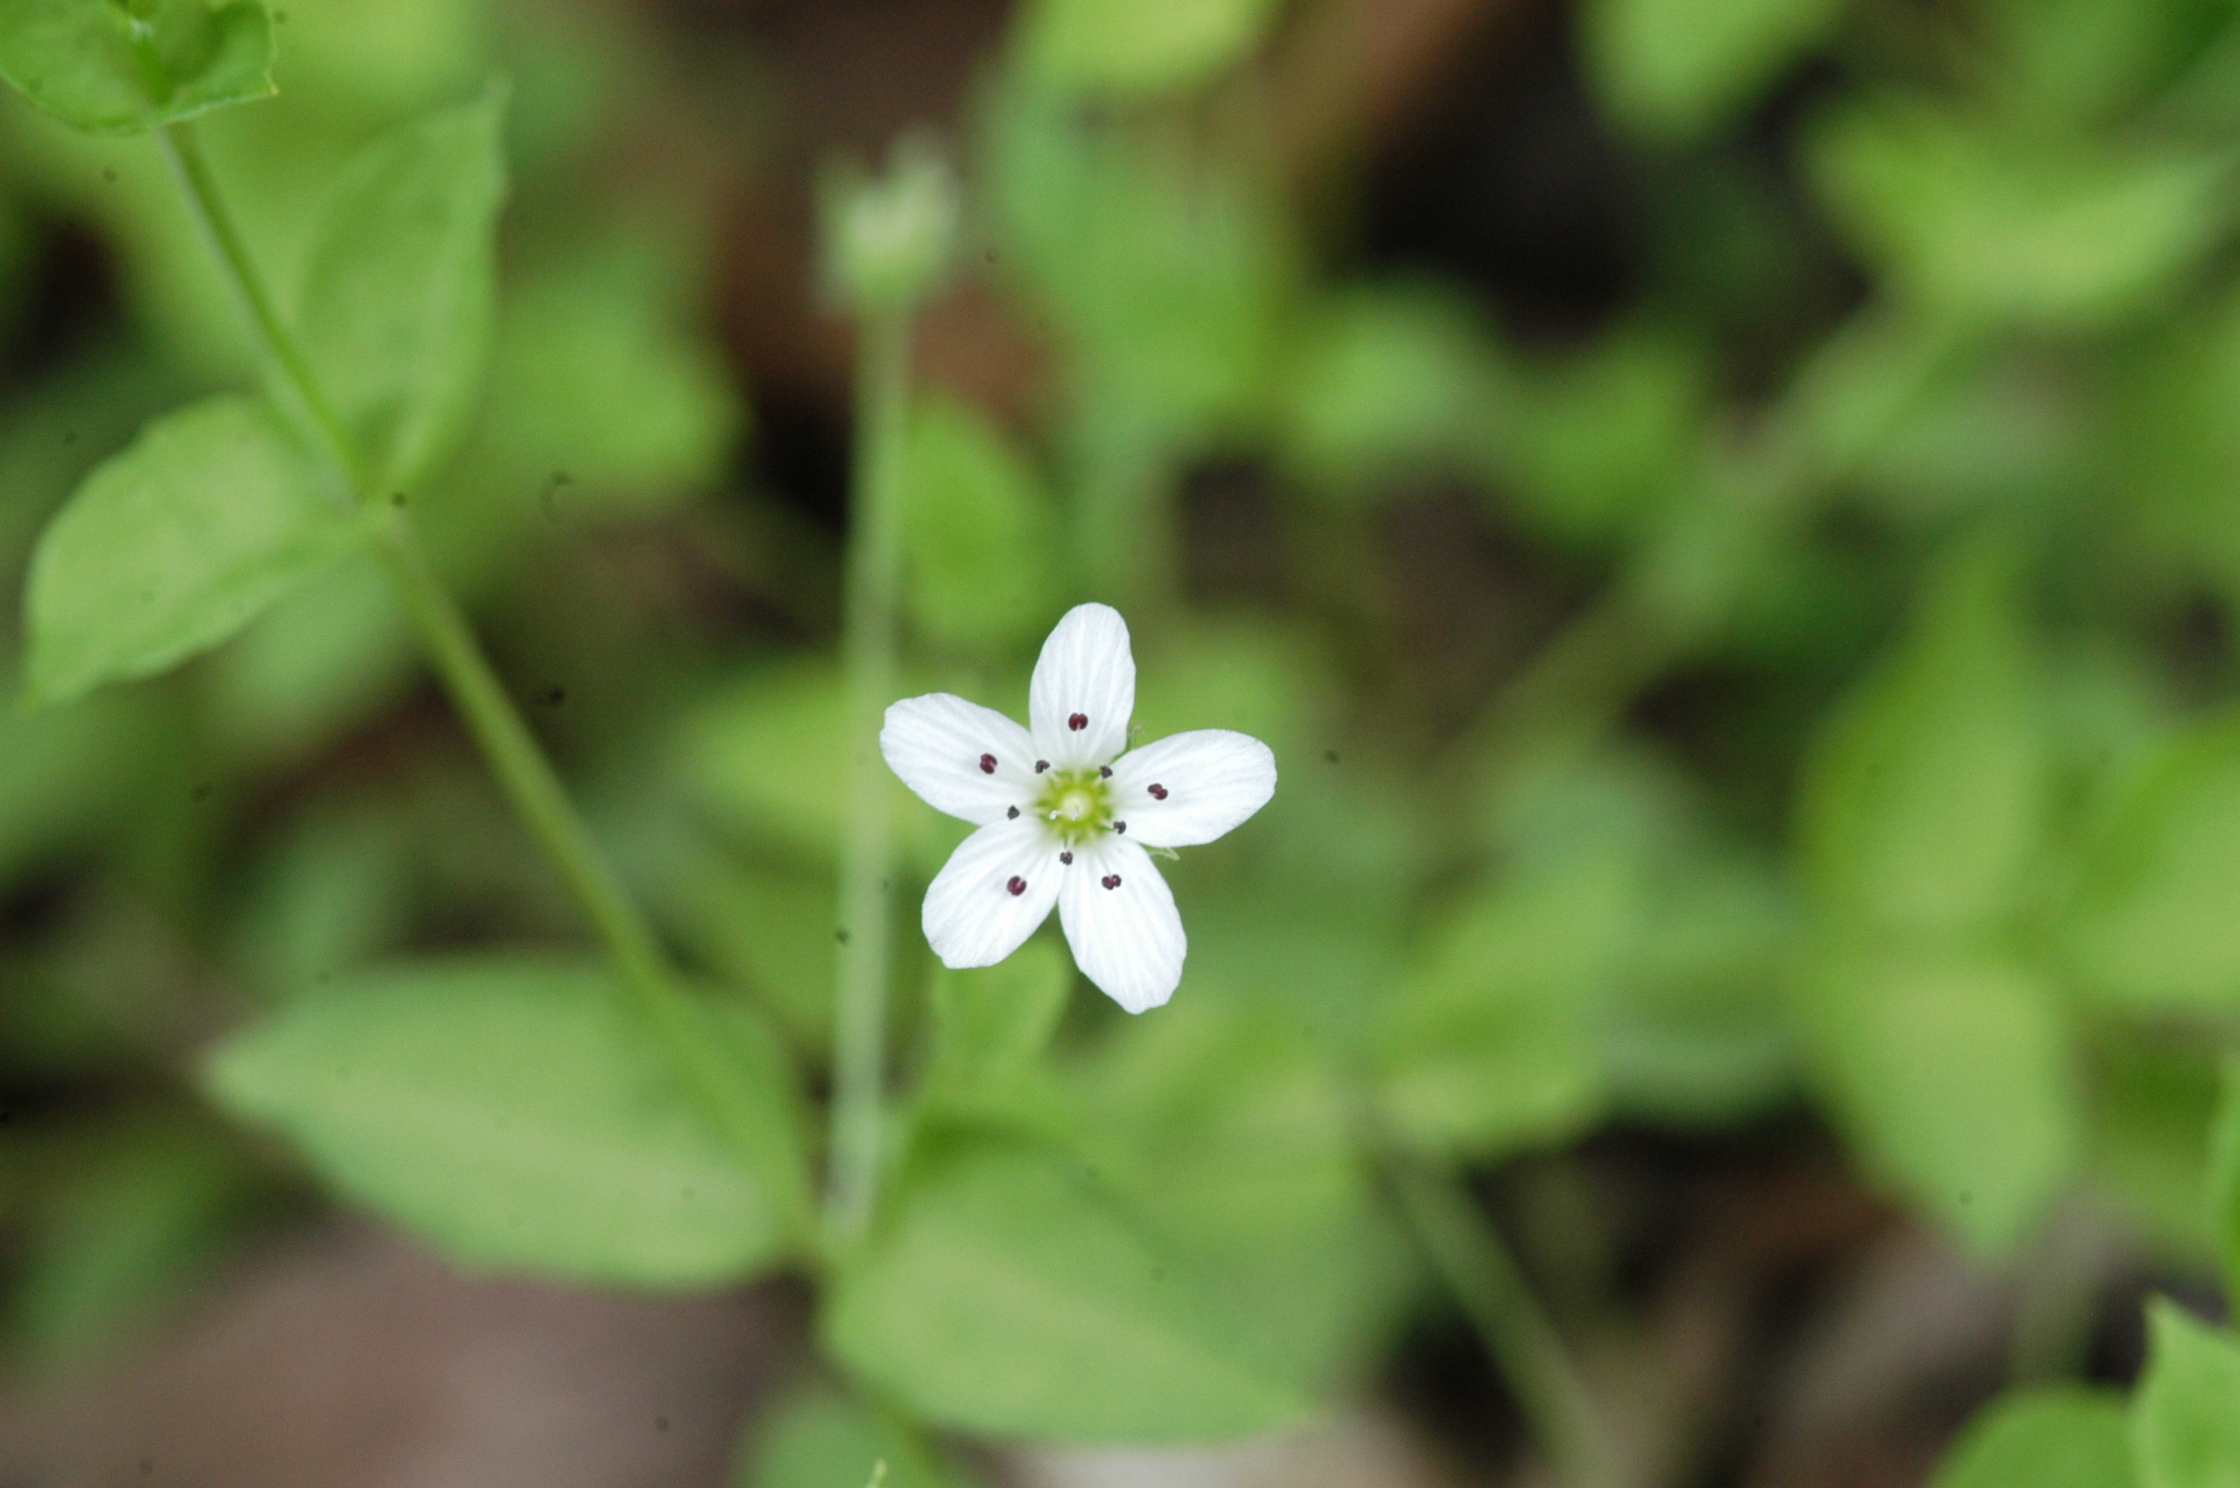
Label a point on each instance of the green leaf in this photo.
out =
(1229, 1128)
(2224, 1178)
(1609, 436)
(122, 68)
(1171, 280)
(2154, 1111)
(2151, 921)
(823, 1439)
(69, 775)
(1674, 70)
(1129, 48)
(396, 297)
(2060, 1436)
(600, 374)
(1488, 1047)
(766, 930)
(1393, 380)
(1977, 225)
(1008, 1293)
(1954, 1080)
(129, 1231)
(521, 1115)
(982, 535)
(993, 1022)
(1699, 1033)
(211, 515)
(768, 758)
(1922, 801)
(2185, 1418)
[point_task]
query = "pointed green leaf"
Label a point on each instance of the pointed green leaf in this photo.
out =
(992, 1022)
(1921, 804)
(2151, 923)
(127, 1232)
(822, 1439)
(1488, 1047)
(121, 68)
(1122, 48)
(1677, 69)
(518, 1113)
(2185, 1418)
(1009, 1293)
(2062, 1436)
(1955, 1082)
(211, 515)
(1233, 1134)
(397, 293)
(1977, 224)
(982, 532)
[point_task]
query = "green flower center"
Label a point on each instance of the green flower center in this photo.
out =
(1076, 803)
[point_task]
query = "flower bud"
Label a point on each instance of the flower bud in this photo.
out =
(889, 239)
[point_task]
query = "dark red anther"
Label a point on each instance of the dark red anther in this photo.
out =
(1040, 766)
(1078, 722)
(1105, 771)
(1012, 814)
(1017, 886)
(1158, 792)
(1112, 880)
(1065, 857)
(1119, 826)
(987, 764)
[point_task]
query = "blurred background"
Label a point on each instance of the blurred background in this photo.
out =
(1725, 511)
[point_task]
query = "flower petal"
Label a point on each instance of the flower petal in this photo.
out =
(972, 917)
(1191, 788)
(1085, 673)
(939, 745)
(1126, 938)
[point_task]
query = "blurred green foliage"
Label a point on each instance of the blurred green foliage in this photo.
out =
(1862, 744)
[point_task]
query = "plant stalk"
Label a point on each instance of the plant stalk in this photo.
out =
(523, 772)
(1485, 1278)
(285, 363)
(866, 864)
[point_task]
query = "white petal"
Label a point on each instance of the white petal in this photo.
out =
(1128, 938)
(972, 918)
(939, 745)
(1212, 778)
(1085, 672)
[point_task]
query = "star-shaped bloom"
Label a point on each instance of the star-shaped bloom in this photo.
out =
(1065, 810)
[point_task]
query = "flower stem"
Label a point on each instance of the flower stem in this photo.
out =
(868, 651)
(524, 774)
(1470, 1258)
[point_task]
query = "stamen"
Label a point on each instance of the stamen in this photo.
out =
(1158, 792)
(987, 764)
(1012, 814)
(1078, 722)
(1120, 826)
(1017, 886)
(1040, 766)
(1105, 771)
(1112, 880)
(1065, 857)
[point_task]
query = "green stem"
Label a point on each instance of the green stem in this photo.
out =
(868, 651)
(523, 773)
(285, 361)
(1470, 1258)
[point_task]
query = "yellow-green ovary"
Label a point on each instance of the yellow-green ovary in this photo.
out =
(1077, 804)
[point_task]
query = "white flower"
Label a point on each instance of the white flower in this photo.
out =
(1065, 815)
